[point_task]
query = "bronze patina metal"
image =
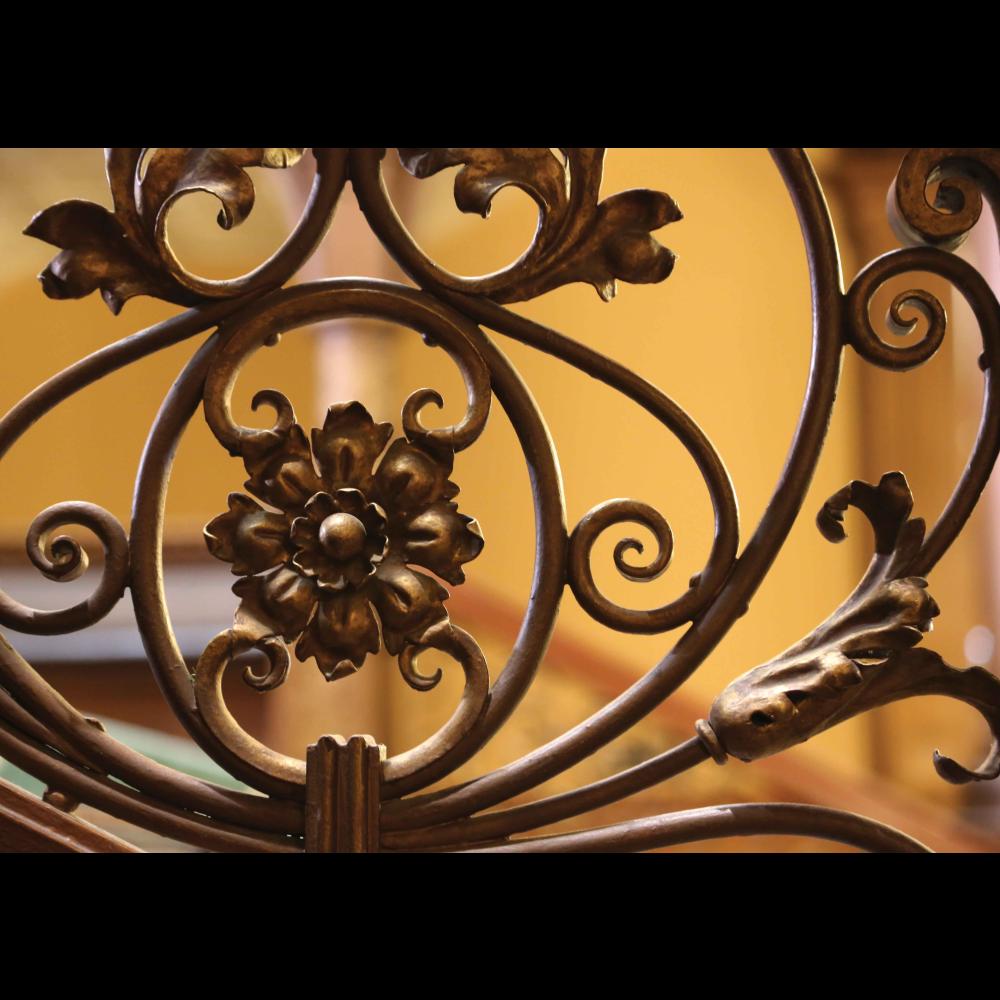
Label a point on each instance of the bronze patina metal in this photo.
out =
(864, 655)
(330, 546)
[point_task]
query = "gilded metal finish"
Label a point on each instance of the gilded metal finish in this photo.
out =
(334, 547)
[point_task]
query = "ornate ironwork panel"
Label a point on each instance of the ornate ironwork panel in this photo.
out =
(344, 532)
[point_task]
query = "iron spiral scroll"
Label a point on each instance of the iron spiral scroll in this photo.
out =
(334, 538)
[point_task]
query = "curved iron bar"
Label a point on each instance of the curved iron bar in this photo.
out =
(368, 183)
(25, 722)
(548, 574)
(733, 600)
(517, 819)
(38, 697)
(131, 806)
(706, 584)
(983, 302)
(348, 297)
(332, 299)
(744, 820)
(146, 547)
(45, 398)
(63, 559)
(81, 738)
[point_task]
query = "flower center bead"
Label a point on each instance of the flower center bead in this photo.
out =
(342, 536)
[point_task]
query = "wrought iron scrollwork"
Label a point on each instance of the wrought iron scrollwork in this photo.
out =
(344, 534)
(578, 238)
(127, 252)
(866, 654)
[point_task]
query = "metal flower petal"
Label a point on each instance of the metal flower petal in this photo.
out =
(284, 599)
(413, 476)
(341, 634)
(251, 538)
(407, 603)
(284, 475)
(347, 445)
(441, 539)
(173, 172)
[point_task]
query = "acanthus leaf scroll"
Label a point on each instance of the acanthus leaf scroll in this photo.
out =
(866, 654)
(579, 237)
(126, 251)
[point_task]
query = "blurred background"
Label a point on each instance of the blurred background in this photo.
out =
(727, 336)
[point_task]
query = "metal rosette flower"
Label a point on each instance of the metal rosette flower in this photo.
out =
(339, 551)
(330, 567)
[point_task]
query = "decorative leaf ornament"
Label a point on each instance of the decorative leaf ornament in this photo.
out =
(866, 654)
(578, 237)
